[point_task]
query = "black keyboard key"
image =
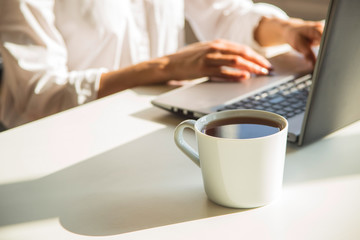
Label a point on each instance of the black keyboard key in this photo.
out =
(293, 100)
(248, 105)
(297, 105)
(277, 106)
(288, 109)
(289, 115)
(281, 112)
(277, 99)
(297, 111)
(266, 104)
(259, 107)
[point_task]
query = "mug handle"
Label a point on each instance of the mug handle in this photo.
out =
(182, 144)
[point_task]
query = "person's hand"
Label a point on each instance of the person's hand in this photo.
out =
(303, 35)
(219, 58)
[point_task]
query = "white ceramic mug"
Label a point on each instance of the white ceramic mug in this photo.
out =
(238, 173)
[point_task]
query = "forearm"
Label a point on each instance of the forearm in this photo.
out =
(144, 73)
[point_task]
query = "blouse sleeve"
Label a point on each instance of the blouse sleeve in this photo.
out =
(234, 20)
(36, 80)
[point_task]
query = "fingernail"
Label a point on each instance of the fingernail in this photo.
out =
(264, 71)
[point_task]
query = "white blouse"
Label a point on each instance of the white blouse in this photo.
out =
(54, 51)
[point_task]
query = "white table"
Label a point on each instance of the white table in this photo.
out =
(110, 170)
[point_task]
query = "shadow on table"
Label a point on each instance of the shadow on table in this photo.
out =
(331, 157)
(134, 186)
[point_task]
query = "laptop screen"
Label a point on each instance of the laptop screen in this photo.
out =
(335, 94)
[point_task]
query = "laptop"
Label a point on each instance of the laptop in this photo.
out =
(316, 101)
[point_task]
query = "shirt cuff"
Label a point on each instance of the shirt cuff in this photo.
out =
(86, 84)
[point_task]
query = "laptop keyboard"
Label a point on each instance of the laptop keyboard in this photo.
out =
(287, 100)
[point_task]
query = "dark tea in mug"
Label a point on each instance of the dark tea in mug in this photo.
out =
(242, 128)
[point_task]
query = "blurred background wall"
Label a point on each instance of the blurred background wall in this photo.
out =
(306, 9)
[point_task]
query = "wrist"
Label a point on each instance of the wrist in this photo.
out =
(271, 31)
(160, 69)
(144, 73)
